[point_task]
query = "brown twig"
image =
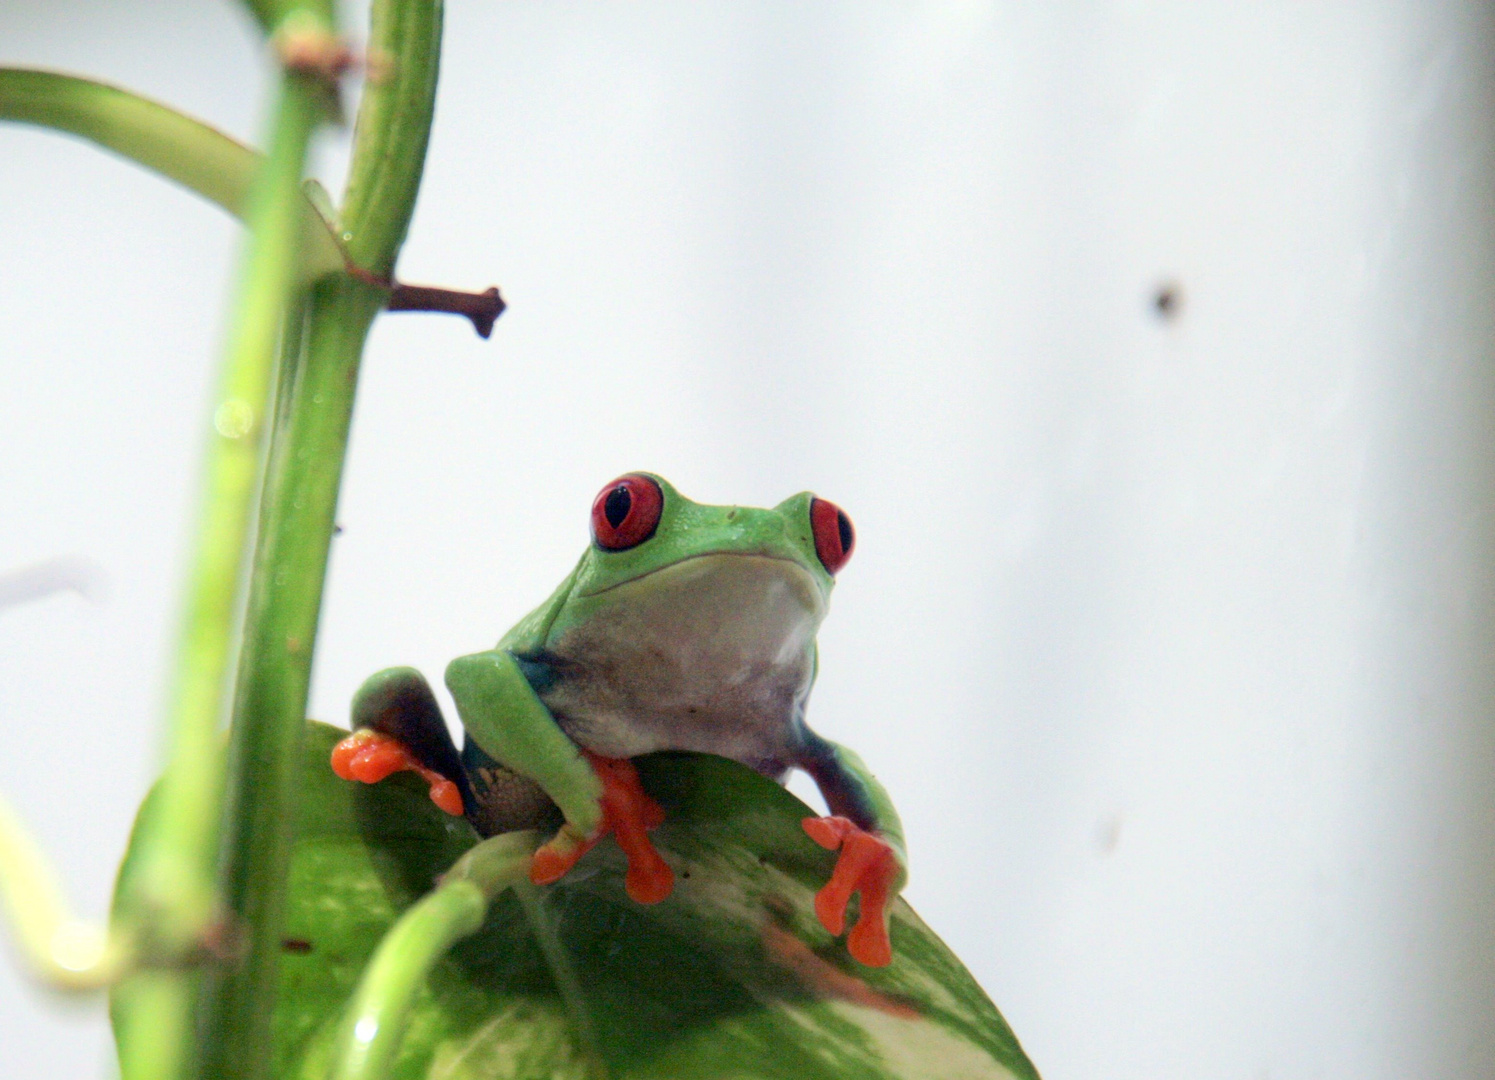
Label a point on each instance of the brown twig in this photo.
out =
(482, 308)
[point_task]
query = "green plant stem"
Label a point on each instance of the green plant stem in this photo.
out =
(303, 476)
(393, 130)
(397, 971)
(374, 1025)
(159, 138)
(188, 151)
(64, 952)
(297, 515)
(174, 893)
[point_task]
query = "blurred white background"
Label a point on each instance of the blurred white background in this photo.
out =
(1170, 633)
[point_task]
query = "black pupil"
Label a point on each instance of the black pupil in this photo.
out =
(619, 502)
(843, 524)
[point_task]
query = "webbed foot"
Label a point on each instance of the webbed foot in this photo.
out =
(628, 812)
(369, 756)
(868, 864)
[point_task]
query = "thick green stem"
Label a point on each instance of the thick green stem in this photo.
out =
(170, 906)
(174, 893)
(374, 1024)
(305, 468)
(297, 517)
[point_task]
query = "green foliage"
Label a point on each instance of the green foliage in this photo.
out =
(731, 976)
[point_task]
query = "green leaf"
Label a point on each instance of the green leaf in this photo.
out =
(730, 976)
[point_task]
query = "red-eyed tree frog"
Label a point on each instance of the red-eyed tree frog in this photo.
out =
(682, 627)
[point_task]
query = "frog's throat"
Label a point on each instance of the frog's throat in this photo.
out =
(713, 653)
(692, 560)
(740, 607)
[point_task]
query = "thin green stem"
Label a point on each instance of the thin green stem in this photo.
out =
(393, 130)
(266, 12)
(174, 892)
(374, 1025)
(562, 971)
(188, 151)
(64, 952)
(159, 138)
(397, 971)
(170, 903)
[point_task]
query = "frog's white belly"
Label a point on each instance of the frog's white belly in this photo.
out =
(713, 654)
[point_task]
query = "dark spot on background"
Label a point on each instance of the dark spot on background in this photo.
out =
(1168, 301)
(296, 945)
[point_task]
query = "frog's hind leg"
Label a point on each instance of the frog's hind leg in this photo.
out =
(502, 799)
(397, 726)
(864, 828)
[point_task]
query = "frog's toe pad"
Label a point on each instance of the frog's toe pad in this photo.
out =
(559, 854)
(867, 864)
(369, 756)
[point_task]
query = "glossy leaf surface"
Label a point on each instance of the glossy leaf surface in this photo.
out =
(730, 977)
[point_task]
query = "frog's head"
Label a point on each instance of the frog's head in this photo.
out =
(653, 546)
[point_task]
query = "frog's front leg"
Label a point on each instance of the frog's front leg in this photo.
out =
(397, 727)
(865, 828)
(506, 718)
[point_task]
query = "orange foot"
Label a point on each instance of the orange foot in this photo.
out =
(369, 756)
(867, 864)
(627, 812)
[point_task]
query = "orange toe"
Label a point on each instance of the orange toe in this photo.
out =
(868, 941)
(828, 832)
(446, 794)
(649, 879)
(628, 812)
(631, 812)
(369, 756)
(554, 859)
(867, 865)
(546, 867)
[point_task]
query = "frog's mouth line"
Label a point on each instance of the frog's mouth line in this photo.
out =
(696, 558)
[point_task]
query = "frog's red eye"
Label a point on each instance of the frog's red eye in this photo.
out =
(626, 512)
(834, 536)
